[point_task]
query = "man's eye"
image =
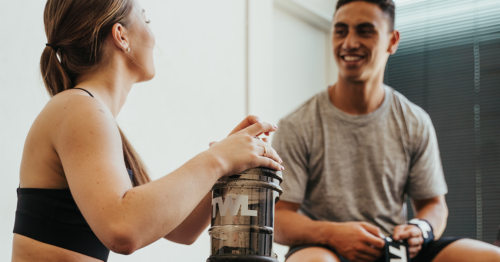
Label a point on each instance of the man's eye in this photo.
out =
(365, 32)
(339, 32)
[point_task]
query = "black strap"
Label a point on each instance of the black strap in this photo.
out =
(83, 90)
(396, 250)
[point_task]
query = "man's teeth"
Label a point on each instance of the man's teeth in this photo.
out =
(352, 58)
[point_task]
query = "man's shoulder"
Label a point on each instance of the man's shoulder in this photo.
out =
(409, 111)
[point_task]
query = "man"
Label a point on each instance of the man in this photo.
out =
(352, 153)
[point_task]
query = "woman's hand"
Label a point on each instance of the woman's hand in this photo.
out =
(249, 120)
(243, 150)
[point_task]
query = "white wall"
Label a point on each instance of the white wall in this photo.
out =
(301, 62)
(302, 59)
(204, 86)
(22, 96)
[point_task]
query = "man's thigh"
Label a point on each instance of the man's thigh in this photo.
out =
(467, 250)
(313, 254)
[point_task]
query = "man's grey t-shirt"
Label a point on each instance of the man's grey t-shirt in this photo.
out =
(343, 167)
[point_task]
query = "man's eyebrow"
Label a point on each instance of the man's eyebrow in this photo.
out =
(366, 24)
(340, 24)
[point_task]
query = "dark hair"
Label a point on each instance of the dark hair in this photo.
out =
(76, 33)
(387, 6)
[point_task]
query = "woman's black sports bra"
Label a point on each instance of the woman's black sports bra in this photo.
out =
(51, 216)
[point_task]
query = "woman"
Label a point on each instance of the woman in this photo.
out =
(83, 189)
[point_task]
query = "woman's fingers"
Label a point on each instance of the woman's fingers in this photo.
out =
(259, 128)
(269, 163)
(248, 121)
(268, 156)
(269, 152)
(243, 150)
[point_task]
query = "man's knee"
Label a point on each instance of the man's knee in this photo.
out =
(492, 253)
(469, 250)
(313, 254)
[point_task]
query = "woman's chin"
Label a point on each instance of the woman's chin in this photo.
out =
(148, 76)
(152, 74)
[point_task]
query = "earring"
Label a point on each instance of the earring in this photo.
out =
(128, 49)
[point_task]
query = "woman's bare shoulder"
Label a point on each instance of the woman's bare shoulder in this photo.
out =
(68, 119)
(69, 109)
(76, 115)
(75, 104)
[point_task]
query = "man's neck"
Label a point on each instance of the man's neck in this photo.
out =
(357, 98)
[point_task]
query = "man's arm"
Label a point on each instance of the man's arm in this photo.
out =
(288, 233)
(427, 184)
(433, 210)
(357, 241)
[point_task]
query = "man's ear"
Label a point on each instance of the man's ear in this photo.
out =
(119, 35)
(394, 43)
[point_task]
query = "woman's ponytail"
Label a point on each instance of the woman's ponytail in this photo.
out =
(77, 32)
(134, 162)
(55, 77)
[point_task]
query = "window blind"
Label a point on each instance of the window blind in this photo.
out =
(448, 63)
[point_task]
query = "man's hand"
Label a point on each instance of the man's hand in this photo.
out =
(357, 241)
(414, 236)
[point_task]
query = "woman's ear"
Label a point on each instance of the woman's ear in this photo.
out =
(119, 34)
(395, 39)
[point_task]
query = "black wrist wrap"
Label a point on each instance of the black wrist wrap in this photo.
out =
(427, 231)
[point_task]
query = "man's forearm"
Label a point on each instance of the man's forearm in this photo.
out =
(435, 212)
(292, 228)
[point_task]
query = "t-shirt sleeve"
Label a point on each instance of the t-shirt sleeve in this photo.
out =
(426, 171)
(293, 151)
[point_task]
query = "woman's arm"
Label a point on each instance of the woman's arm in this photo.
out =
(125, 219)
(196, 223)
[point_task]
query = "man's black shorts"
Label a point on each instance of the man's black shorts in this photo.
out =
(425, 255)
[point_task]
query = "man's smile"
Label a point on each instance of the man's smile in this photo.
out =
(352, 59)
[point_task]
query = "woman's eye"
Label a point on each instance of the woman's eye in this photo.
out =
(148, 21)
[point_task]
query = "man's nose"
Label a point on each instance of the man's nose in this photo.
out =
(351, 41)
